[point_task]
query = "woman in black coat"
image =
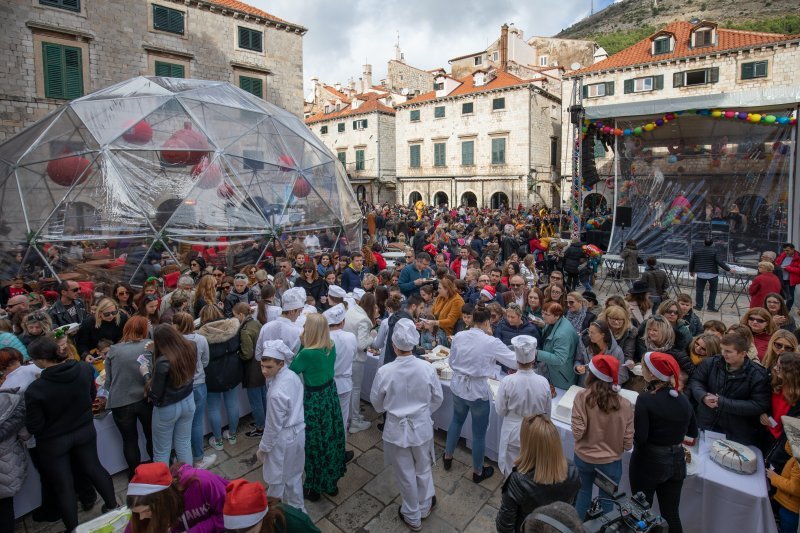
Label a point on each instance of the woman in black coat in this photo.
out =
(107, 323)
(59, 414)
(314, 285)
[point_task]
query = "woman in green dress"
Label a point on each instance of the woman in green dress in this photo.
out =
(325, 448)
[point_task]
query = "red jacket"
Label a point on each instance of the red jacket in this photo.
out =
(792, 268)
(455, 266)
(762, 285)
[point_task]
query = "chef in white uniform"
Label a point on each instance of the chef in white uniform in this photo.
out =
(285, 327)
(283, 445)
(345, 343)
(521, 394)
(359, 324)
(408, 390)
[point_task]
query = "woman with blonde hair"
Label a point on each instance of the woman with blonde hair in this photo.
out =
(325, 443)
(658, 335)
(702, 346)
(205, 294)
(555, 292)
(35, 324)
(542, 475)
(781, 342)
(107, 323)
(528, 271)
(619, 322)
(761, 325)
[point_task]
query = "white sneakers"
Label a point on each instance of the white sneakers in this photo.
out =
(359, 424)
(230, 436)
(206, 462)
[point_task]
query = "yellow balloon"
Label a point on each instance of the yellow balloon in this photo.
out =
(649, 127)
(755, 117)
(716, 113)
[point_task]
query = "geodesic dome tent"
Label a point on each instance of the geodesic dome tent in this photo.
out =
(122, 182)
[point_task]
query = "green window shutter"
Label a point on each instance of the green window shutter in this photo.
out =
(498, 151)
(364, 123)
(73, 73)
(467, 108)
(609, 88)
(586, 91)
(677, 79)
(414, 115)
(169, 70)
(53, 73)
(254, 86)
(340, 127)
(627, 86)
(250, 39)
(658, 82)
(63, 71)
(468, 153)
(748, 71)
(414, 156)
(439, 154)
(762, 69)
(323, 130)
(166, 19)
(498, 103)
(355, 123)
(342, 157)
(70, 5)
(359, 159)
(438, 112)
(713, 75)
(163, 69)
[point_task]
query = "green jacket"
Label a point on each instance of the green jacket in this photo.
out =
(296, 521)
(248, 336)
(559, 344)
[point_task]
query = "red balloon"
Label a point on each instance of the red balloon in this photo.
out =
(209, 173)
(138, 133)
(286, 162)
(301, 187)
(184, 147)
(69, 170)
(225, 191)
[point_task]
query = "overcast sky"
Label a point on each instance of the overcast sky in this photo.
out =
(344, 35)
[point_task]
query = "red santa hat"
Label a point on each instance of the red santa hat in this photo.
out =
(606, 368)
(149, 478)
(245, 504)
(663, 365)
(488, 291)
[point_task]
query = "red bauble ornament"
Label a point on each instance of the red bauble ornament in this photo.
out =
(138, 133)
(184, 147)
(70, 170)
(225, 191)
(286, 163)
(301, 187)
(209, 173)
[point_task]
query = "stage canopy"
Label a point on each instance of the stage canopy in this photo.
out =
(141, 172)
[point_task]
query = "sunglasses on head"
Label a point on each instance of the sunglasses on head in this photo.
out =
(150, 298)
(36, 317)
(240, 277)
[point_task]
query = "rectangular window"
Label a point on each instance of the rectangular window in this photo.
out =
(63, 71)
(414, 156)
(754, 69)
(498, 151)
(701, 77)
(662, 45)
(438, 86)
(323, 130)
(495, 56)
(342, 157)
(543, 61)
(359, 159)
(439, 154)
(478, 60)
(254, 86)
(360, 124)
(703, 38)
(69, 5)
(414, 115)
(641, 85)
(649, 83)
(468, 153)
(554, 152)
(251, 39)
(170, 70)
(466, 108)
(498, 103)
(438, 112)
(340, 127)
(166, 19)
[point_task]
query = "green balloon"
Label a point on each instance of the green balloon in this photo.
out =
(637, 131)
(770, 119)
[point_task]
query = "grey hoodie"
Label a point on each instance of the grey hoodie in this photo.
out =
(582, 357)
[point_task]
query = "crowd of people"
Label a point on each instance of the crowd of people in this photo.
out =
(294, 330)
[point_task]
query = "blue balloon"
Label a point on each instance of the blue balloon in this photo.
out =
(628, 131)
(783, 120)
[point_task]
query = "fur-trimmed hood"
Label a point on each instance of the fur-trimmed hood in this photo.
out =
(219, 331)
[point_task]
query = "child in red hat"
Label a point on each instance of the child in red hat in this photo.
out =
(248, 509)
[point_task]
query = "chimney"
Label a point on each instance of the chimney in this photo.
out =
(504, 47)
(352, 85)
(367, 77)
(337, 86)
(360, 85)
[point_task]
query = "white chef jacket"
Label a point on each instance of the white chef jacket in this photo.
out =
(311, 242)
(359, 324)
(280, 329)
(473, 356)
(409, 391)
(284, 407)
(345, 343)
(524, 393)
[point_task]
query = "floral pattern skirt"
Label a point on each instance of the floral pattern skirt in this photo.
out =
(325, 440)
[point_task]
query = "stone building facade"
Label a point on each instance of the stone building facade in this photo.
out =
(401, 76)
(94, 44)
(484, 140)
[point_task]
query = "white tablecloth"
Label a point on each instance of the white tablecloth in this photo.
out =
(109, 450)
(713, 500)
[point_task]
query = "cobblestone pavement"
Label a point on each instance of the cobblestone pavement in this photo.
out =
(368, 498)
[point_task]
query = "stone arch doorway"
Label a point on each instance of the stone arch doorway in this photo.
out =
(413, 198)
(468, 199)
(361, 193)
(440, 199)
(498, 200)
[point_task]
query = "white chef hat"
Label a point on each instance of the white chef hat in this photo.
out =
(335, 315)
(525, 348)
(273, 312)
(405, 335)
(277, 349)
(358, 294)
(336, 291)
(293, 299)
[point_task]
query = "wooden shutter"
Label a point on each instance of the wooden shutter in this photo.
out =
(73, 73)
(677, 79)
(254, 86)
(72, 5)
(586, 91)
(163, 69)
(63, 71)
(713, 75)
(627, 86)
(609, 88)
(761, 69)
(53, 74)
(364, 123)
(658, 82)
(468, 153)
(748, 71)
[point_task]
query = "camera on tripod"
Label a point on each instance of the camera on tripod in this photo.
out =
(631, 514)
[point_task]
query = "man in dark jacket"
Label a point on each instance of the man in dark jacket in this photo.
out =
(514, 324)
(656, 280)
(706, 262)
(572, 263)
(412, 311)
(353, 273)
(731, 392)
(68, 309)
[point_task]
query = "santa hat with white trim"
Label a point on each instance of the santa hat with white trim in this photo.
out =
(245, 504)
(489, 292)
(606, 368)
(663, 365)
(149, 478)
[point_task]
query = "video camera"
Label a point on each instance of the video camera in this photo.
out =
(632, 514)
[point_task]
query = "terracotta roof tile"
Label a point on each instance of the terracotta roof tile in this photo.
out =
(250, 10)
(338, 94)
(502, 79)
(640, 53)
(372, 105)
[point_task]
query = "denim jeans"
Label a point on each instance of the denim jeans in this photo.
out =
(172, 429)
(257, 396)
(700, 286)
(200, 392)
(231, 399)
(586, 474)
(789, 520)
(479, 410)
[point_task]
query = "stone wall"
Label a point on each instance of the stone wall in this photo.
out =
(401, 76)
(119, 42)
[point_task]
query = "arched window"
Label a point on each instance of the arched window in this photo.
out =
(468, 199)
(499, 199)
(413, 198)
(440, 199)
